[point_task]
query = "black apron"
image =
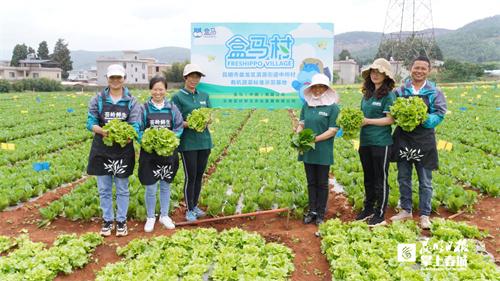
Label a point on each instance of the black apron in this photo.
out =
(153, 167)
(111, 160)
(417, 146)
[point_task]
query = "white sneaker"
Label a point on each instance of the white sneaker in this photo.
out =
(167, 222)
(425, 222)
(150, 224)
(403, 215)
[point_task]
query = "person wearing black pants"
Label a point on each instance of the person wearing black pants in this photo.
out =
(317, 190)
(375, 139)
(319, 114)
(375, 163)
(194, 146)
(195, 163)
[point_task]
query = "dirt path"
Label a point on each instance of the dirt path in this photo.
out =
(310, 264)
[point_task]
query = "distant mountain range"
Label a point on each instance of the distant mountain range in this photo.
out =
(478, 41)
(364, 44)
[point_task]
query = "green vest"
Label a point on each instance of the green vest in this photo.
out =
(319, 119)
(374, 108)
(187, 102)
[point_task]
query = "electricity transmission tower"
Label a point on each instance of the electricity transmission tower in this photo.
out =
(408, 31)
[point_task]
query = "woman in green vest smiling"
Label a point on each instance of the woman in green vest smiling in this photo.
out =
(375, 139)
(194, 147)
(319, 113)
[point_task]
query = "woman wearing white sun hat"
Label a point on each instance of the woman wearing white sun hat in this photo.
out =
(195, 146)
(319, 113)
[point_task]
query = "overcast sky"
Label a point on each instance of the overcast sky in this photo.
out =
(146, 24)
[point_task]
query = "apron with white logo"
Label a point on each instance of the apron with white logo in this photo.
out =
(153, 167)
(417, 146)
(111, 160)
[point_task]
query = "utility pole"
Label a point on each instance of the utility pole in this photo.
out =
(408, 32)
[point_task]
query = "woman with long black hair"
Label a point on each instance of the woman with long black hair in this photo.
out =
(375, 139)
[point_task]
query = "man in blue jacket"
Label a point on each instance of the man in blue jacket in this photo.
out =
(418, 147)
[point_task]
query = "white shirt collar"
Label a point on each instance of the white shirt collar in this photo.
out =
(185, 91)
(414, 91)
(158, 105)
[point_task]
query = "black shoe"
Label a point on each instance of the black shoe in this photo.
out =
(121, 228)
(310, 217)
(364, 215)
(107, 227)
(319, 219)
(376, 221)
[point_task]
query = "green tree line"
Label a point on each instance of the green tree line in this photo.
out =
(61, 55)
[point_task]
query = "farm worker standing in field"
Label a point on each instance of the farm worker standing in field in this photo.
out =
(195, 146)
(375, 139)
(158, 112)
(319, 113)
(418, 147)
(112, 163)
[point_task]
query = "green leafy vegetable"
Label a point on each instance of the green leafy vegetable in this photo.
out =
(34, 261)
(6, 243)
(355, 252)
(303, 141)
(450, 230)
(199, 119)
(202, 254)
(119, 132)
(409, 112)
(161, 140)
(350, 121)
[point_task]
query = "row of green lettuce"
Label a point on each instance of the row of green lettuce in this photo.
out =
(20, 182)
(201, 254)
(260, 170)
(43, 127)
(28, 260)
(356, 252)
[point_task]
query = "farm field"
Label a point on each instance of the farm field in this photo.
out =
(252, 167)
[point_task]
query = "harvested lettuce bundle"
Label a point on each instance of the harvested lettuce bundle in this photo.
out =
(161, 140)
(303, 141)
(350, 121)
(199, 119)
(408, 113)
(119, 132)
